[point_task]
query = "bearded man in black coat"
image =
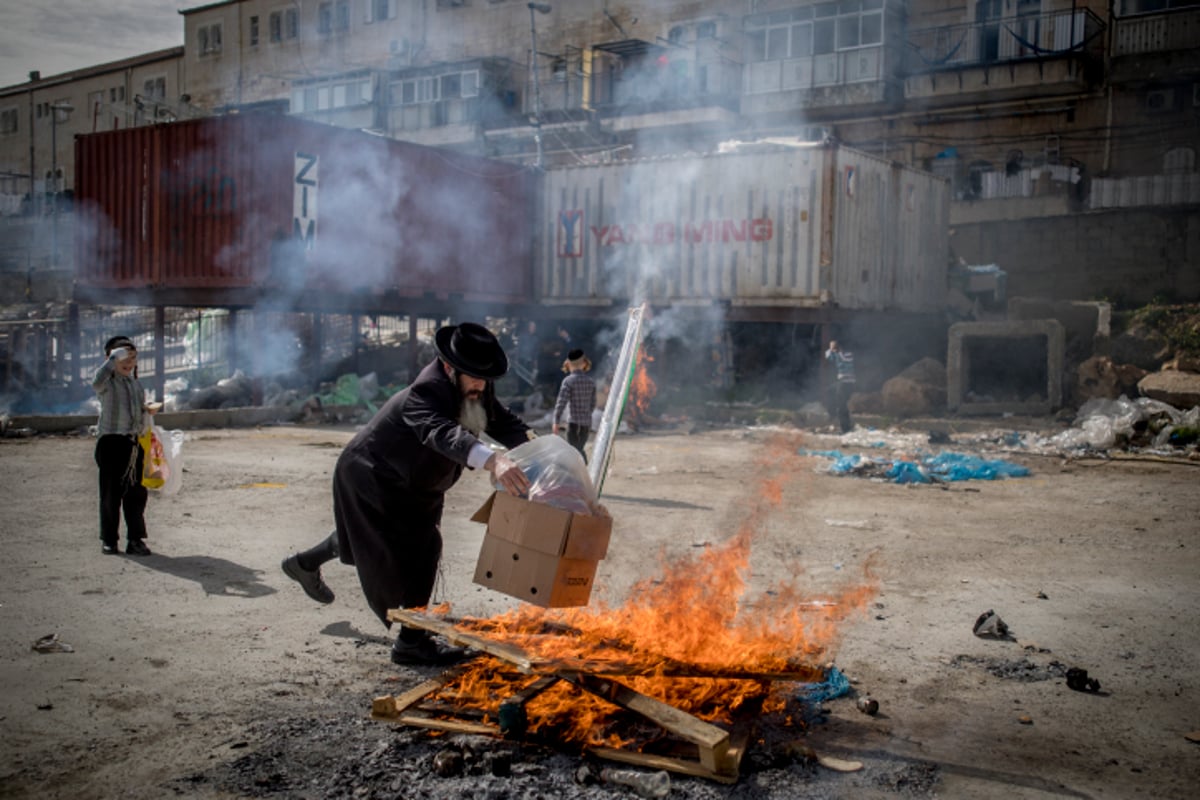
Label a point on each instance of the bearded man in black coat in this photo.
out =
(390, 482)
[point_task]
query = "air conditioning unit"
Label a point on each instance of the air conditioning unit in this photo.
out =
(1160, 100)
(815, 133)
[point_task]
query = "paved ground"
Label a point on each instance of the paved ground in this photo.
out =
(202, 672)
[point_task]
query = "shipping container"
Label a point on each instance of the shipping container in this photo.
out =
(806, 226)
(299, 213)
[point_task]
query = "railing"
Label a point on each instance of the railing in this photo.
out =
(1162, 31)
(1056, 35)
(863, 64)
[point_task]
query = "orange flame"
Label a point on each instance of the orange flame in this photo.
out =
(642, 388)
(698, 616)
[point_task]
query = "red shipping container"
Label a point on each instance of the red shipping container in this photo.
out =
(288, 209)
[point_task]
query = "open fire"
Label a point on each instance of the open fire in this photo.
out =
(696, 639)
(642, 388)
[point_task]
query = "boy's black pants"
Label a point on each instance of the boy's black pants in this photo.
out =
(120, 460)
(577, 437)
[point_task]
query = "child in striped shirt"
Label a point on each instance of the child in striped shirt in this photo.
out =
(123, 417)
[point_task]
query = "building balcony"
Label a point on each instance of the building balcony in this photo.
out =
(1013, 58)
(637, 85)
(855, 77)
(1157, 45)
(452, 103)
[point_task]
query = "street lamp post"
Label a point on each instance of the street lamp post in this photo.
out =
(66, 108)
(540, 8)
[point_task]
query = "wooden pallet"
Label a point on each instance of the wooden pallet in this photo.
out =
(718, 753)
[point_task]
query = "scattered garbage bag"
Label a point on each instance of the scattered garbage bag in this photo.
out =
(834, 684)
(990, 624)
(1102, 423)
(907, 472)
(946, 466)
(50, 643)
(1077, 679)
(951, 466)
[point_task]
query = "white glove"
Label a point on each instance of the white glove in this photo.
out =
(119, 353)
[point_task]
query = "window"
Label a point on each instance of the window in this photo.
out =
(380, 10)
(95, 100)
(341, 17)
(9, 118)
(254, 31)
(209, 39)
(330, 95)
(116, 94)
(814, 30)
(325, 19)
(450, 86)
(675, 35)
(155, 88)
(706, 30)
(284, 25)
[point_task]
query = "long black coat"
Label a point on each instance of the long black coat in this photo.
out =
(390, 482)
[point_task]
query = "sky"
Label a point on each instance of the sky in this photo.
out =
(55, 36)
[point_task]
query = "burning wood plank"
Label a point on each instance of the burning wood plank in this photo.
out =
(513, 655)
(717, 758)
(712, 742)
(655, 665)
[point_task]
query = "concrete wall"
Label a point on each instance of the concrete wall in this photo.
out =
(1124, 255)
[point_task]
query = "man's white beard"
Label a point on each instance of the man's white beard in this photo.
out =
(473, 416)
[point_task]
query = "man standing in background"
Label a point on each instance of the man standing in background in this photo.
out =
(844, 361)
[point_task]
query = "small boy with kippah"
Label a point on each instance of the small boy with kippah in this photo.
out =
(578, 392)
(123, 417)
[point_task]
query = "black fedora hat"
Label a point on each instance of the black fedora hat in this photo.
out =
(472, 350)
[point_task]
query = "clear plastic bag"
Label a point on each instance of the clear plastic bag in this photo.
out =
(163, 470)
(558, 474)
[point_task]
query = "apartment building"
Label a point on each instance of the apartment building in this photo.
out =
(1040, 112)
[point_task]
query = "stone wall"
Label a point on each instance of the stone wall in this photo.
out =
(1128, 256)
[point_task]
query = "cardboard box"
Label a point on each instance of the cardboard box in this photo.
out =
(540, 554)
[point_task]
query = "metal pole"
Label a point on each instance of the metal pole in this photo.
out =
(537, 86)
(54, 196)
(617, 391)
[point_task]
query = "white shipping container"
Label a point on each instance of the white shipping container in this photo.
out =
(790, 226)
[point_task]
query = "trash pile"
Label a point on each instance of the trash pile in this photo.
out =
(1143, 424)
(942, 467)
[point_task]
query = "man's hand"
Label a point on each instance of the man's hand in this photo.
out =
(506, 473)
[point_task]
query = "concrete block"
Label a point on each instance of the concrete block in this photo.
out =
(1013, 367)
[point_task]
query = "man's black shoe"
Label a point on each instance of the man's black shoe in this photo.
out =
(137, 547)
(108, 549)
(426, 651)
(309, 579)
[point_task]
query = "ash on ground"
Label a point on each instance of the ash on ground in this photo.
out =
(1014, 669)
(335, 753)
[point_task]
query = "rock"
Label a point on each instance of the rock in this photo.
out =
(1179, 389)
(1100, 377)
(918, 390)
(1182, 363)
(905, 398)
(1141, 346)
